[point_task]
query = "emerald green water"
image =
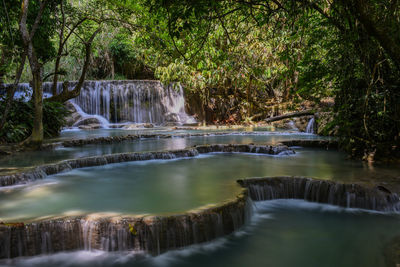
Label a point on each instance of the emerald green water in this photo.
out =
(163, 186)
(282, 233)
(27, 159)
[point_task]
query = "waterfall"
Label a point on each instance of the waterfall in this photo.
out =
(310, 126)
(133, 101)
(137, 101)
(152, 234)
(321, 191)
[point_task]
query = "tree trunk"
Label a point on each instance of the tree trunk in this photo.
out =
(35, 140)
(36, 137)
(67, 94)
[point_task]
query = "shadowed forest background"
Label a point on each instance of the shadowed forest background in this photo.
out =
(239, 62)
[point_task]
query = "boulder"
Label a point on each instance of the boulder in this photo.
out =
(148, 125)
(72, 119)
(171, 124)
(90, 126)
(172, 117)
(87, 121)
(285, 124)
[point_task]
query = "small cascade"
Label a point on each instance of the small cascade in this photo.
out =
(152, 234)
(310, 126)
(321, 191)
(84, 117)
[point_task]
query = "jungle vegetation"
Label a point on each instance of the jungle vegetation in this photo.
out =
(240, 61)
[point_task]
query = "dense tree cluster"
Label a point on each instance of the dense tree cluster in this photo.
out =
(239, 60)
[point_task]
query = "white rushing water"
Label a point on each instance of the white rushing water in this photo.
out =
(310, 126)
(133, 101)
(124, 101)
(276, 227)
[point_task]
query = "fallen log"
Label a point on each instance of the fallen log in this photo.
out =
(290, 115)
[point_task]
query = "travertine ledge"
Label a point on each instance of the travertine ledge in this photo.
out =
(152, 234)
(42, 171)
(350, 195)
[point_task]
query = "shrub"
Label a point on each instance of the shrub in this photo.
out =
(20, 120)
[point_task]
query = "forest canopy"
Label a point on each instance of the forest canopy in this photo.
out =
(238, 60)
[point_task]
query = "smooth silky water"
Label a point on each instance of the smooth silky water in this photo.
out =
(164, 186)
(27, 159)
(282, 233)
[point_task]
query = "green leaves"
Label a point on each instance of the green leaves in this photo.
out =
(20, 120)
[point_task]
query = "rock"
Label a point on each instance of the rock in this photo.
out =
(70, 107)
(90, 126)
(172, 117)
(285, 124)
(148, 125)
(302, 122)
(72, 119)
(87, 121)
(171, 124)
(130, 126)
(117, 126)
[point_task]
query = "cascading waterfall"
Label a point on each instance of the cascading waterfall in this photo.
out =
(322, 191)
(131, 101)
(152, 234)
(310, 126)
(124, 101)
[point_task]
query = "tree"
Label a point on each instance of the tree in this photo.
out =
(362, 67)
(44, 21)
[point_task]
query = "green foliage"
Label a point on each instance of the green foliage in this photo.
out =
(127, 59)
(240, 59)
(346, 49)
(19, 124)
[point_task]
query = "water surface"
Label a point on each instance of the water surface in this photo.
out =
(27, 159)
(282, 233)
(164, 186)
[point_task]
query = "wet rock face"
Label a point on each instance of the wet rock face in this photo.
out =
(301, 122)
(321, 191)
(153, 234)
(74, 115)
(42, 171)
(87, 121)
